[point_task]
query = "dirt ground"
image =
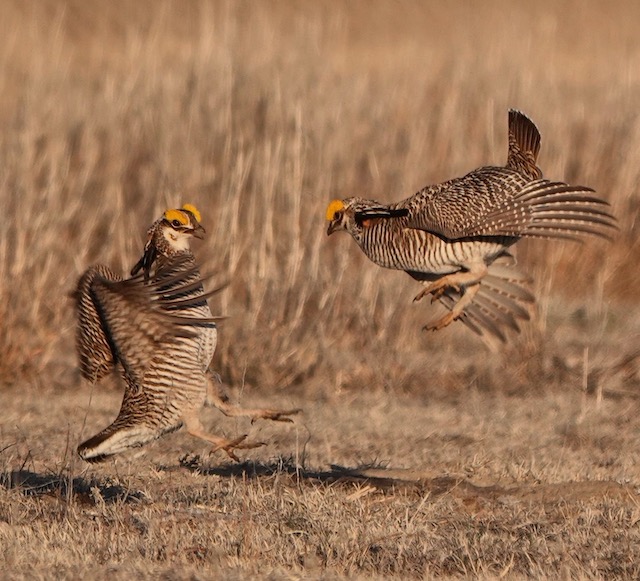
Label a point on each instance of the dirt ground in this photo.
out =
(361, 485)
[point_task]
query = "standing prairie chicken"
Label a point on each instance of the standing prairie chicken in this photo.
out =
(454, 237)
(156, 327)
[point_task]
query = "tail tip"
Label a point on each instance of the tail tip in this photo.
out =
(524, 145)
(88, 454)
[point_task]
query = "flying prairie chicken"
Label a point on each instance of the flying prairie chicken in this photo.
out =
(157, 328)
(454, 237)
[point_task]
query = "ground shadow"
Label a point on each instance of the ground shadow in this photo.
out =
(366, 478)
(415, 481)
(89, 491)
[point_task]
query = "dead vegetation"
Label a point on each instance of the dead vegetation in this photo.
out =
(259, 114)
(362, 486)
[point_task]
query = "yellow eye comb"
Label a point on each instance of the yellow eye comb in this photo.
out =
(178, 215)
(333, 208)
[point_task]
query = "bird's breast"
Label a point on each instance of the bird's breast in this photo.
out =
(421, 251)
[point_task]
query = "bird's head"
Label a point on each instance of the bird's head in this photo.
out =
(170, 235)
(178, 227)
(356, 214)
(339, 215)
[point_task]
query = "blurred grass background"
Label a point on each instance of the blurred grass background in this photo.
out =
(260, 113)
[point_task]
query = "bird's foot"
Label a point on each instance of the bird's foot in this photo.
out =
(238, 444)
(437, 289)
(435, 295)
(457, 310)
(274, 415)
(442, 322)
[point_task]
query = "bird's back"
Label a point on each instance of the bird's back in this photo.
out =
(468, 198)
(465, 200)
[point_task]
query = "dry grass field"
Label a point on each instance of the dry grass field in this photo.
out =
(418, 454)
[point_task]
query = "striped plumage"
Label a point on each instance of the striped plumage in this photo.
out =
(157, 328)
(454, 236)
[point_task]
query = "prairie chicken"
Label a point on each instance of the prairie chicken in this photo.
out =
(158, 329)
(454, 237)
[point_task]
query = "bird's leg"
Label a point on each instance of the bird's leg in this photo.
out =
(457, 310)
(215, 398)
(195, 428)
(466, 282)
(455, 281)
(438, 287)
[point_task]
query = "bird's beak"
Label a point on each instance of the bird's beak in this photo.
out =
(333, 226)
(199, 232)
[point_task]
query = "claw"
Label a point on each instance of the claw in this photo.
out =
(442, 323)
(420, 295)
(276, 415)
(437, 294)
(239, 443)
(437, 289)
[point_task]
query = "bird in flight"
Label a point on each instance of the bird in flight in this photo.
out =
(455, 237)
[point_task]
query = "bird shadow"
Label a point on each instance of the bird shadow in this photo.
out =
(363, 479)
(373, 477)
(88, 491)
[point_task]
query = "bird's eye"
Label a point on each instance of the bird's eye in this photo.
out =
(175, 223)
(337, 216)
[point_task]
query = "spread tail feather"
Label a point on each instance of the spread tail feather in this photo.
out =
(500, 302)
(114, 439)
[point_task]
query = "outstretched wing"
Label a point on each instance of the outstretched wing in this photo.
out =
(545, 209)
(143, 318)
(95, 351)
(138, 317)
(500, 202)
